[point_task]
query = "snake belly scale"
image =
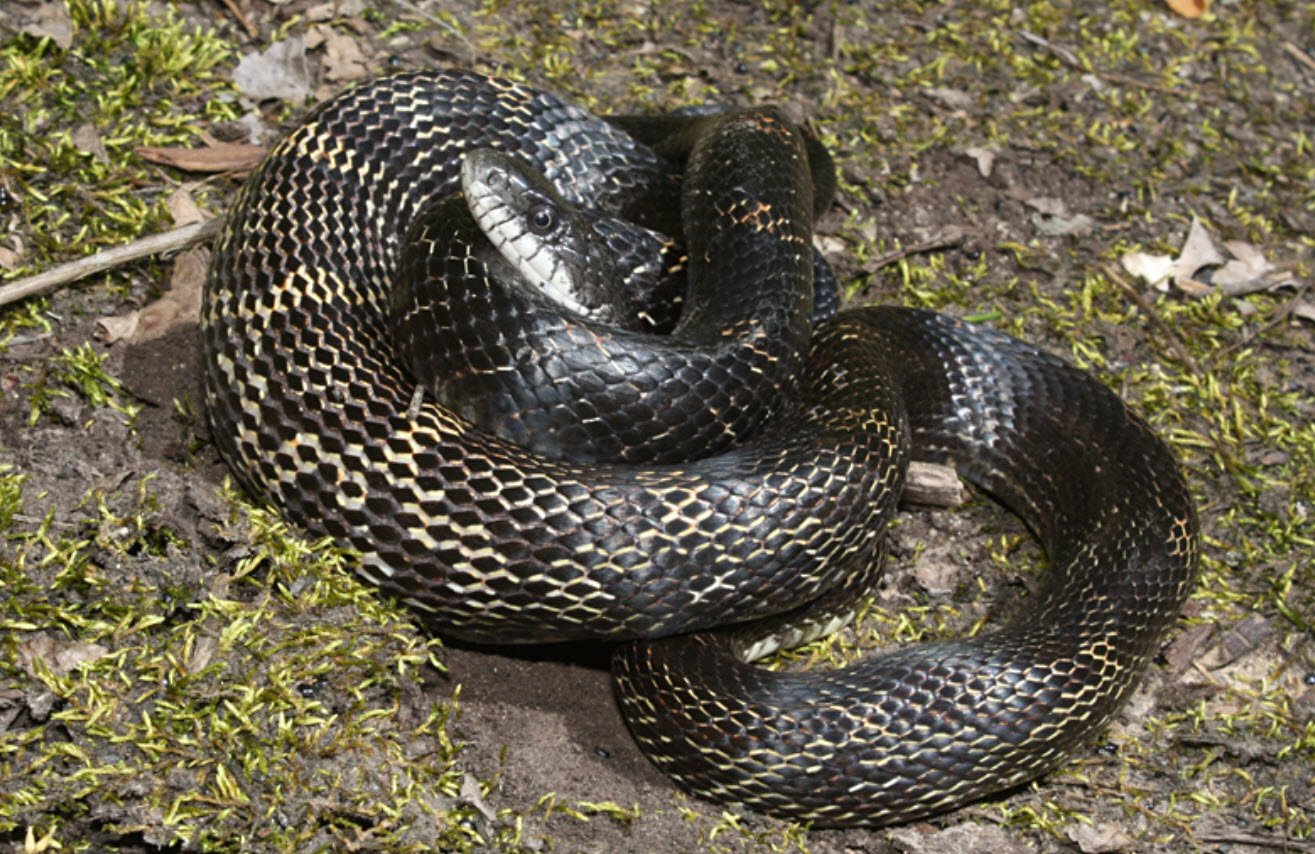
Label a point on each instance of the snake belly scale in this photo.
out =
(313, 409)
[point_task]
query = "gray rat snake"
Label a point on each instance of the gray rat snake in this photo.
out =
(312, 407)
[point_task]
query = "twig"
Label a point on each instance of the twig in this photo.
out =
(236, 12)
(109, 259)
(1275, 320)
(1299, 55)
(1277, 843)
(1070, 59)
(1171, 335)
(944, 240)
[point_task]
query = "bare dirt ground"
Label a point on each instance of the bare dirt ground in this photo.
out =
(181, 671)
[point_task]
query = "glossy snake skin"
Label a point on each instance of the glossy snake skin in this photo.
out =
(312, 408)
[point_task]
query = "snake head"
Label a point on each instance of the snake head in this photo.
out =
(552, 244)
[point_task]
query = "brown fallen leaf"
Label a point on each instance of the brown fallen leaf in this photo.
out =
(219, 157)
(1187, 648)
(343, 57)
(50, 20)
(1188, 8)
(9, 258)
(182, 207)
(180, 305)
(58, 656)
(87, 138)
(1198, 252)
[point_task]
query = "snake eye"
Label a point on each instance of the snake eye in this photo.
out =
(542, 219)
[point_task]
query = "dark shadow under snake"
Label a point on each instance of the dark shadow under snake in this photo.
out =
(312, 408)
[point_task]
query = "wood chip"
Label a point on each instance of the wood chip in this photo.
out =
(933, 485)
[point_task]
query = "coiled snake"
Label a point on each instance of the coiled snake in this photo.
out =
(312, 407)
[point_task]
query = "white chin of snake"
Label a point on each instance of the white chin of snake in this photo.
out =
(538, 266)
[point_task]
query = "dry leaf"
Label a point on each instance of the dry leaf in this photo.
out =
(343, 59)
(220, 157)
(984, 158)
(1058, 226)
(1198, 252)
(1152, 269)
(202, 653)
(182, 207)
(59, 657)
(1247, 272)
(182, 304)
(1304, 310)
(1188, 8)
(87, 138)
(1101, 839)
(955, 99)
(471, 795)
(1048, 205)
(279, 72)
(50, 21)
(828, 245)
(318, 14)
(117, 328)
(9, 259)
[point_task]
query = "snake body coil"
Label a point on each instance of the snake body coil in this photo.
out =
(312, 407)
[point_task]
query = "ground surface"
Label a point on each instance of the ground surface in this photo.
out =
(180, 670)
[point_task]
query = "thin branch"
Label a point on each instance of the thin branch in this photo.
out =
(1275, 842)
(1174, 341)
(1299, 55)
(1277, 318)
(944, 240)
(236, 12)
(156, 244)
(1067, 57)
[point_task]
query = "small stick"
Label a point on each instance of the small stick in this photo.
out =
(155, 244)
(236, 12)
(945, 240)
(1067, 57)
(1278, 843)
(1171, 335)
(1276, 318)
(1299, 55)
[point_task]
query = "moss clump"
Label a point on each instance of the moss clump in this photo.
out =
(134, 76)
